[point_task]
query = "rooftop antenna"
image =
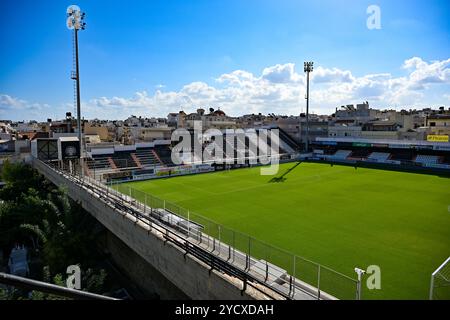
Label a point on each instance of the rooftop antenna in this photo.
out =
(75, 22)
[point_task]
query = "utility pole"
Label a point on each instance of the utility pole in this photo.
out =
(308, 68)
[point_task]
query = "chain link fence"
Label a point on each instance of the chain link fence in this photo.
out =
(296, 276)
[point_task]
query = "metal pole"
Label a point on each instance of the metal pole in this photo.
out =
(294, 275)
(248, 255)
(189, 225)
(77, 80)
(145, 203)
(267, 271)
(358, 287)
(31, 284)
(219, 238)
(318, 283)
(431, 287)
(234, 245)
(307, 111)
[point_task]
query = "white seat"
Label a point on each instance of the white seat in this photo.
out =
(378, 156)
(427, 159)
(340, 155)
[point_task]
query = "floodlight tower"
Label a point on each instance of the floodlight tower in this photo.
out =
(308, 68)
(75, 22)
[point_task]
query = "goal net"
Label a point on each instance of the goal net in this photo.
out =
(440, 282)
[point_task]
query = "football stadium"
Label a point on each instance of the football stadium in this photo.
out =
(353, 218)
(336, 215)
(235, 151)
(349, 204)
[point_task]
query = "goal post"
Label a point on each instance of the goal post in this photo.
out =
(440, 282)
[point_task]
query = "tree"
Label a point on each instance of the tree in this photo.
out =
(36, 213)
(19, 178)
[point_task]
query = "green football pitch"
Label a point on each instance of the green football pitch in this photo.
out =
(338, 216)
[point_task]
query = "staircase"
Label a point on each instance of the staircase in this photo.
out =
(157, 157)
(136, 159)
(111, 163)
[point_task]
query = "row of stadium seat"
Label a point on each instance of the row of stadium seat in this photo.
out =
(102, 162)
(339, 155)
(385, 157)
(147, 157)
(124, 160)
(361, 154)
(141, 158)
(231, 142)
(164, 155)
(427, 159)
(378, 156)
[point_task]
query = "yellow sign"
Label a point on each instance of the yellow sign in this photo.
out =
(436, 138)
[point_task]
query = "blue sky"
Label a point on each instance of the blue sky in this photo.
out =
(151, 57)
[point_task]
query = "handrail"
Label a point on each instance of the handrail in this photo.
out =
(123, 204)
(31, 284)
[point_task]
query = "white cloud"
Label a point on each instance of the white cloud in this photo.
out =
(281, 73)
(323, 75)
(11, 107)
(6, 102)
(278, 89)
(427, 73)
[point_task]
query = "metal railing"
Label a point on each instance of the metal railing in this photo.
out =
(40, 286)
(287, 274)
(278, 268)
(125, 205)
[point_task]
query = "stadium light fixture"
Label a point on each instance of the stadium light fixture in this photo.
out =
(75, 22)
(308, 68)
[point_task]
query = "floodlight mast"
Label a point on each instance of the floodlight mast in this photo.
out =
(308, 67)
(75, 22)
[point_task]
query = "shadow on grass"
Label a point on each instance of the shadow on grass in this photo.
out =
(282, 177)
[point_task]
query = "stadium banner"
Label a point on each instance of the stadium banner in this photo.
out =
(345, 144)
(430, 147)
(380, 145)
(399, 146)
(329, 143)
(183, 170)
(148, 174)
(204, 168)
(121, 175)
(442, 148)
(437, 138)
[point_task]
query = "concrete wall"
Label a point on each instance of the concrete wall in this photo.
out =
(191, 276)
(139, 271)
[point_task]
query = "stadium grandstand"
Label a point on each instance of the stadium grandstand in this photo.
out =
(114, 162)
(106, 162)
(408, 154)
(174, 202)
(236, 150)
